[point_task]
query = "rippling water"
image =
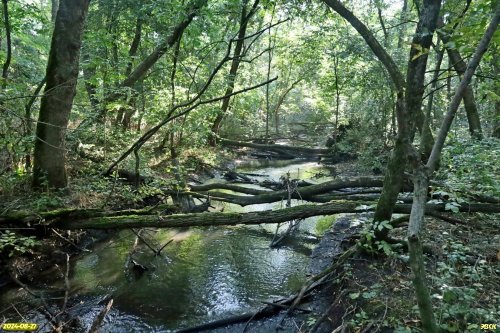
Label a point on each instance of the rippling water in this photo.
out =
(204, 274)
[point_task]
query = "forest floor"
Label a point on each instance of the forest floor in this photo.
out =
(375, 293)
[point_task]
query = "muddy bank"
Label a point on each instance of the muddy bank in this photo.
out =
(329, 303)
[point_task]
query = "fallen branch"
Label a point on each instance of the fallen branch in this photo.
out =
(304, 193)
(78, 214)
(100, 317)
(232, 218)
(282, 149)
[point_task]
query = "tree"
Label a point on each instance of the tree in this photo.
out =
(409, 97)
(235, 63)
(60, 89)
(422, 174)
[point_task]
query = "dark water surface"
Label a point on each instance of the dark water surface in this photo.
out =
(204, 274)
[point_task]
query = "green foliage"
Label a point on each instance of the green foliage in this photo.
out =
(371, 245)
(13, 244)
(324, 224)
(463, 286)
(472, 166)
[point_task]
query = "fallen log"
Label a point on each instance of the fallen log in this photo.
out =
(230, 218)
(224, 186)
(304, 193)
(26, 217)
(282, 149)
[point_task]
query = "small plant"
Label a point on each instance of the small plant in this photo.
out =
(14, 244)
(373, 246)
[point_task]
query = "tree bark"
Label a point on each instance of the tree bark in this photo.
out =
(53, 10)
(6, 65)
(235, 63)
(27, 117)
(141, 70)
(430, 101)
(280, 101)
(470, 106)
(60, 89)
(421, 181)
(222, 219)
(304, 193)
(396, 165)
(415, 75)
(496, 121)
(408, 114)
(294, 151)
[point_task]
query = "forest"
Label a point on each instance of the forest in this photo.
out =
(250, 166)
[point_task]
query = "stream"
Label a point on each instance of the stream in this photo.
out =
(203, 274)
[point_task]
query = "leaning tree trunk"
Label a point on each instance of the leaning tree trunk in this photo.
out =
(469, 101)
(235, 63)
(60, 89)
(409, 116)
(421, 181)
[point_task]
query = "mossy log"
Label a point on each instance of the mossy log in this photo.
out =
(281, 149)
(305, 193)
(269, 216)
(63, 214)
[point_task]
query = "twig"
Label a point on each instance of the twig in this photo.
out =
(69, 241)
(161, 248)
(319, 278)
(100, 317)
(326, 313)
(145, 242)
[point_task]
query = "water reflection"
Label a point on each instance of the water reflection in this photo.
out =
(202, 275)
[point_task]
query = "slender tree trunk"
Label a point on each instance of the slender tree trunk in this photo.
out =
(280, 102)
(89, 71)
(469, 101)
(415, 77)
(54, 9)
(378, 4)
(235, 63)
(402, 18)
(496, 121)
(28, 120)
(173, 150)
(408, 114)
(421, 181)
(134, 46)
(141, 70)
(430, 100)
(269, 62)
(6, 158)
(60, 89)
(8, 59)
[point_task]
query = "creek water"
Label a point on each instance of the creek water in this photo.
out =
(203, 274)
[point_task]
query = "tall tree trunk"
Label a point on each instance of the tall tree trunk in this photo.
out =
(269, 62)
(469, 101)
(409, 113)
(402, 18)
(6, 65)
(280, 101)
(54, 9)
(421, 181)
(27, 117)
(175, 59)
(430, 100)
(6, 159)
(496, 121)
(141, 70)
(235, 63)
(89, 71)
(60, 89)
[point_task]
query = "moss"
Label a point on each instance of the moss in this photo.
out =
(325, 223)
